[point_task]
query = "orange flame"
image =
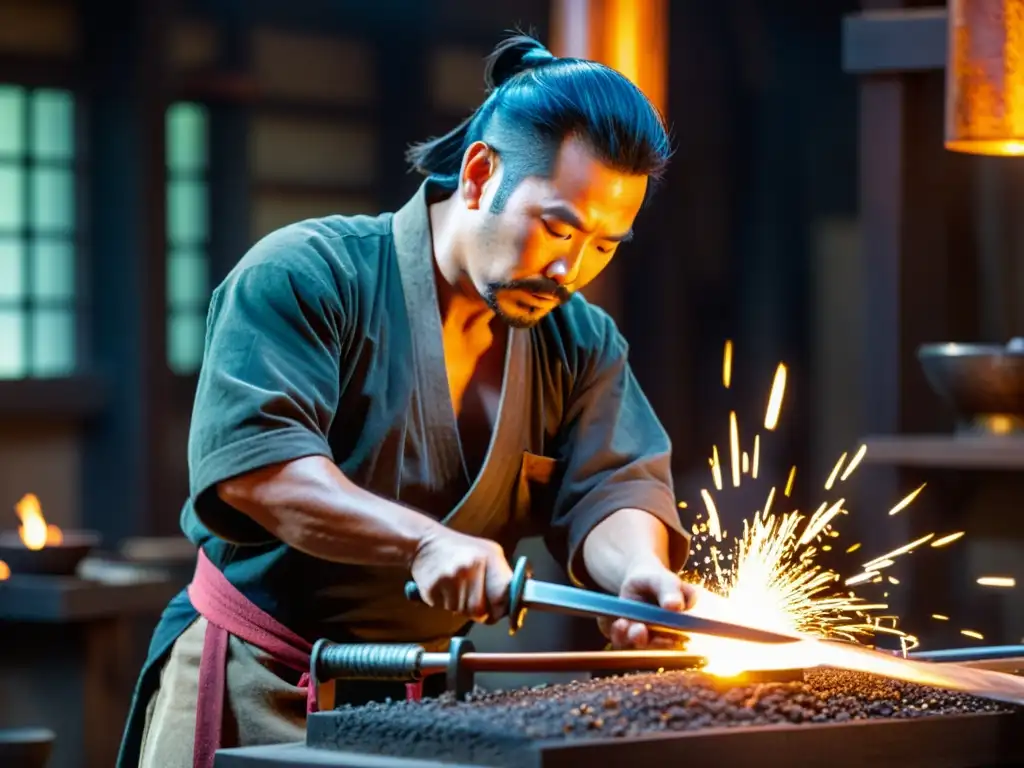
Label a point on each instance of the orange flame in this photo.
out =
(5, 571)
(34, 531)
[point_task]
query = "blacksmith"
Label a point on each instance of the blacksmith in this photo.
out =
(409, 395)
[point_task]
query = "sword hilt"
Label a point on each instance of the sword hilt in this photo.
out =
(516, 588)
(367, 661)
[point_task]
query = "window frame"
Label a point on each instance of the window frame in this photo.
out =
(83, 394)
(203, 247)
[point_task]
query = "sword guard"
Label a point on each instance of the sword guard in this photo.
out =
(516, 589)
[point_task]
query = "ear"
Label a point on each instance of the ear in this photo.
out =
(479, 166)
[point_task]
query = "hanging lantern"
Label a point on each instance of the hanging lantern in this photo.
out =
(985, 77)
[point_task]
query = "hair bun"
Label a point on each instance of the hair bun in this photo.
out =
(512, 56)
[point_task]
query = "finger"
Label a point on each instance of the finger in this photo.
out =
(670, 592)
(605, 625)
(691, 596)
(499, 576)
(637, 636)
(618, 633)
(476, 606)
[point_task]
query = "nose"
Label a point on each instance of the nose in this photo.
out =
(564, 269)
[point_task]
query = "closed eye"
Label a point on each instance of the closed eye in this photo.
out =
(553, 233)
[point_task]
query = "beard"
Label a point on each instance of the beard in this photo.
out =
(531, 314)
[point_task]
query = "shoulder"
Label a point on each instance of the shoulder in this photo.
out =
(324, 258)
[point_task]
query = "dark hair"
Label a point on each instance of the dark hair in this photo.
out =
(535, 101)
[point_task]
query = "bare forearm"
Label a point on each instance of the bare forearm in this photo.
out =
(620, 542)
(310, 505)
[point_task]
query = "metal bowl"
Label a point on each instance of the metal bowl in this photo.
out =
(26, 747)
(52, 560)
(983, 384)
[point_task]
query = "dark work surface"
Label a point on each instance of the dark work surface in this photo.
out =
(301, 756)
(834, 718)
(64, 599)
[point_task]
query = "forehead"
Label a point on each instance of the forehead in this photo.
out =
(602, 195)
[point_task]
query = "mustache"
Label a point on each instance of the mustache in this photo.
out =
(542, 285)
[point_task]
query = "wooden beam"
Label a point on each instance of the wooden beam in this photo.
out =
(123, 452)
(894, 41)
(65, 399)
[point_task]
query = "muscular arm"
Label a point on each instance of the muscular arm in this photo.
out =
(620, 543)
(309, 504)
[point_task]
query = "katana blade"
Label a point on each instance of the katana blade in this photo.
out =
(556, 598)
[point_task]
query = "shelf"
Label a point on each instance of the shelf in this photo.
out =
(891, 42)
(946, 451)
(50, 599)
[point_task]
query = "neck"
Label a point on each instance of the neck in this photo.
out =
(458, 301)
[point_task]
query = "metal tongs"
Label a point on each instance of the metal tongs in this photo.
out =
(526, 592)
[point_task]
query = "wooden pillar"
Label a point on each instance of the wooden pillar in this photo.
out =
(229, 150)
(631, 37)
(918, 287)
(125, 105)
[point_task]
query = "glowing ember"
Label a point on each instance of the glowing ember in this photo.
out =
(716, 468)
(771, 416)
(854, 462)
(789, 482)
(734, 448)
(5, 571)
(904, 503)
(947, 539)
(997, 581)
(727, 365)
(34, 531)
(972, 633)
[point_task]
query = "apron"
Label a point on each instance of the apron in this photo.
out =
(496, 504)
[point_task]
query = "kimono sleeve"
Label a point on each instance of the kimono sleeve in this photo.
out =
(615, 455)
(269, 383)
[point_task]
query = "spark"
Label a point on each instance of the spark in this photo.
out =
(905, 502)
(789, 481)
(857, 457)
(769, 576)
(819, 520)
(835, 471)
(947, 539)
(714, 526)
(682, 505)
(727, 365)
(734, 448)
(771, 416)
(905, 549)
(860, 578)
(716, 468)
(972, 633)
(940, 617)
(997, 581)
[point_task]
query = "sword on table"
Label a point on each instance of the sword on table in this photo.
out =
(525, 592)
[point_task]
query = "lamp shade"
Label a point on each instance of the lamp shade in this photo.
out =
(985, 77)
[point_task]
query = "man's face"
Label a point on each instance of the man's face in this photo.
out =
(554, 234)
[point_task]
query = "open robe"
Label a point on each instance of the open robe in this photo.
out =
(326, 340)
